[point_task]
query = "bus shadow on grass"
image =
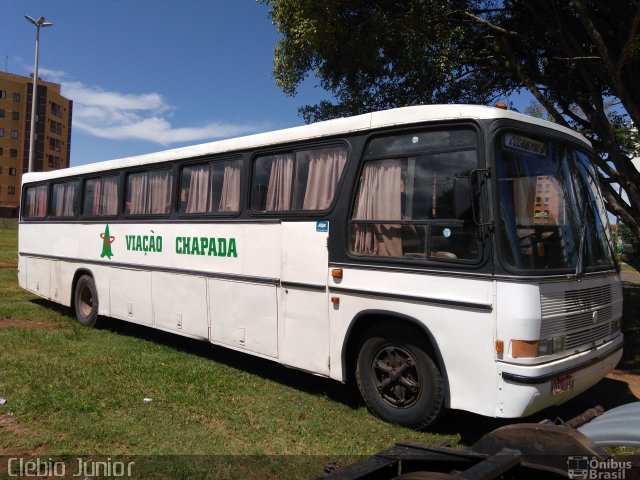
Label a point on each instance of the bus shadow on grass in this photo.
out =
(263, 368)
(608, 393)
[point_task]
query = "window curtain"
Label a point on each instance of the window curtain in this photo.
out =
(30, 200)
(69, 200)
(280, 180)
(198, 189)
(379, 198)
(325, 168)
(230, 195)
(110, 196)
(97, 190)
(58, 199)
(63, 198)
(41, 202)
(33, 202)
(160, 182)
(105, 196)
(137, 194)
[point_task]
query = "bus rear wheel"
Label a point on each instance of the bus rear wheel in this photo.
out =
(398, 380)
(86, 301)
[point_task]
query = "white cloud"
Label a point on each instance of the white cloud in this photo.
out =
(156, 129)
(49, 74)
(134, 116)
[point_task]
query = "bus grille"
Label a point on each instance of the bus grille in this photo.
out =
(571, 314)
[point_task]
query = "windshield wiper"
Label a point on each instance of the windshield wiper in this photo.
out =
(583, 234)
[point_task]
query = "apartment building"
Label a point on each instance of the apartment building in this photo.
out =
(53, 134)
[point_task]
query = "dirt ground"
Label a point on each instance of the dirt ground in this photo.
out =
(26, 324)
(631, 379)
(630, 277)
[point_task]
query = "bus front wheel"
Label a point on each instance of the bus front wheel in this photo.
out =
(397, 378)
(86, 301)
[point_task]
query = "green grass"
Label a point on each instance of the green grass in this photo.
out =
(73, 390)
(8, 246)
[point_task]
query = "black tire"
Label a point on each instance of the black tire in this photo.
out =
(86, 301)
(398, 380)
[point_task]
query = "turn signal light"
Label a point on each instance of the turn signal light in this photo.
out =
(538, 348)
(336, 273)
(524, 348)
(499, 346)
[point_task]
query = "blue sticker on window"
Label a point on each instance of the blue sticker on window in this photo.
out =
(322, 226)
(446, 233)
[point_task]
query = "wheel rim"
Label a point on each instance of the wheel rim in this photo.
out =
(86, 301)
(395, 376)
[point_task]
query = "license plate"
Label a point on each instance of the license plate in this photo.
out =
(562, 384)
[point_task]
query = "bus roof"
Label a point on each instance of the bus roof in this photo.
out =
(368, 121)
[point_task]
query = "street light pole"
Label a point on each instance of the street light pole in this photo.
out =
(34, 97)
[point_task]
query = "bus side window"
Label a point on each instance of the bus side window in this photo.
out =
(101, 197)
(272, 180)
(417, 204)
(211, 187)
(149, 193)
(64, 199)
(317, 175)
(194, 188)
(379, 199)
(306, 180)
(35, 202)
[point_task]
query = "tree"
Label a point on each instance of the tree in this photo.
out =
(580, 59)
(627, 236)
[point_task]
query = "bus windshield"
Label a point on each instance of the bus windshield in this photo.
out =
(551, 216)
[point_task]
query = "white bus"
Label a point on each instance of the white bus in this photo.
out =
(444, 256)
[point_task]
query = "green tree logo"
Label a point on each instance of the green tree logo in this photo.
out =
(107, 240)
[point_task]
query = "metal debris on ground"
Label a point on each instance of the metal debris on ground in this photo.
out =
(549, 449)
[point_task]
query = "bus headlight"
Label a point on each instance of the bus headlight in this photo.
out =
(537, 348)
(616, 325)
(559, 344)
(545, 347)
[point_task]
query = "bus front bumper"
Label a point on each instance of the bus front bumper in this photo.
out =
(526, 389)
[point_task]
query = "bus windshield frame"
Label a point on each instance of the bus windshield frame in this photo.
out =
(551, 216)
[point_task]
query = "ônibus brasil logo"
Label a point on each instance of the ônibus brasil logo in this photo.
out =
(107, 240)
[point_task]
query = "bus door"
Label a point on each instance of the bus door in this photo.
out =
(243, 311)
(304, 333)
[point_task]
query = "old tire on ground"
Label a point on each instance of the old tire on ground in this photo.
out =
(397, 378)
(86, 301)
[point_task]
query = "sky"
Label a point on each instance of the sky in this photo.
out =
(148, 75)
